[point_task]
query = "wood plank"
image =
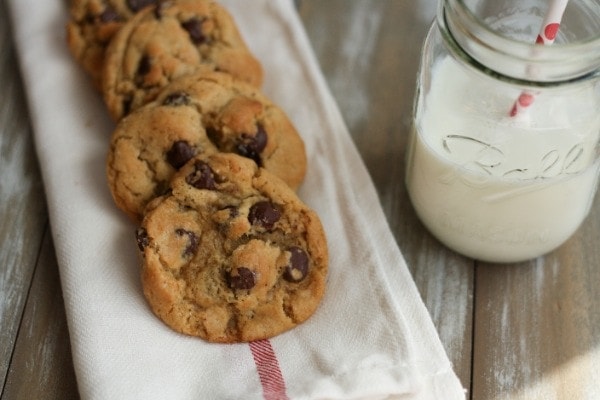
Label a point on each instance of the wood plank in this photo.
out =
(537, 331)
(42, 367)
(22, 202)
(370, 57)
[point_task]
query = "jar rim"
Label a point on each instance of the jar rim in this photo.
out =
(514, 58)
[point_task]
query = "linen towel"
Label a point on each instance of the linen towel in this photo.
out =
(371, 338)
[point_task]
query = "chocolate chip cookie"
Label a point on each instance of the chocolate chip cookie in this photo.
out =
(91, 26)
(200, 113)
(231, 254)
(169, 40)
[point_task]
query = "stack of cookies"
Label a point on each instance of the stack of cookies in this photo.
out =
(205, 165)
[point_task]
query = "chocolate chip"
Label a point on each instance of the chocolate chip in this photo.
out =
(202, 177)
(194, 28)
(297, 269)
(241, 279)
(251, 146)
(141, 236)
(177, 99)
(180, 153)
(192, 246)
(145, 65)
(136, 5)
(264, 214)
(109, 15)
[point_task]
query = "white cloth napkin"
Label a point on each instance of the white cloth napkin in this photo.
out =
(371, 338)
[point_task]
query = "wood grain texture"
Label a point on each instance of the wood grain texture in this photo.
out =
(370, 58)
(537, 330)
(22, 203)
(42, 366)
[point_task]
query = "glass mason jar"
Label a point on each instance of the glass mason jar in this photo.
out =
(489, 180)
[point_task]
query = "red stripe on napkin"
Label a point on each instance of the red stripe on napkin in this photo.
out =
(269, 373)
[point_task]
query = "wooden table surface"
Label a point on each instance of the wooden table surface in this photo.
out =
(522, 331)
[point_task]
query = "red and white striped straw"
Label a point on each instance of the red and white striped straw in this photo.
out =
(546, 36)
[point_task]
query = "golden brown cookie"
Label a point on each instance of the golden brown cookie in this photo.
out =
(91, 27)
(167, 41)
(205, 112)
(231, 254)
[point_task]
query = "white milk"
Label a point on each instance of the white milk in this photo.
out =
(504, 191)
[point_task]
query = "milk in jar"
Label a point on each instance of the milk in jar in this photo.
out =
(490, 185)
(490, 191)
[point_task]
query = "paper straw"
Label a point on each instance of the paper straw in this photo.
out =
(547, 34)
